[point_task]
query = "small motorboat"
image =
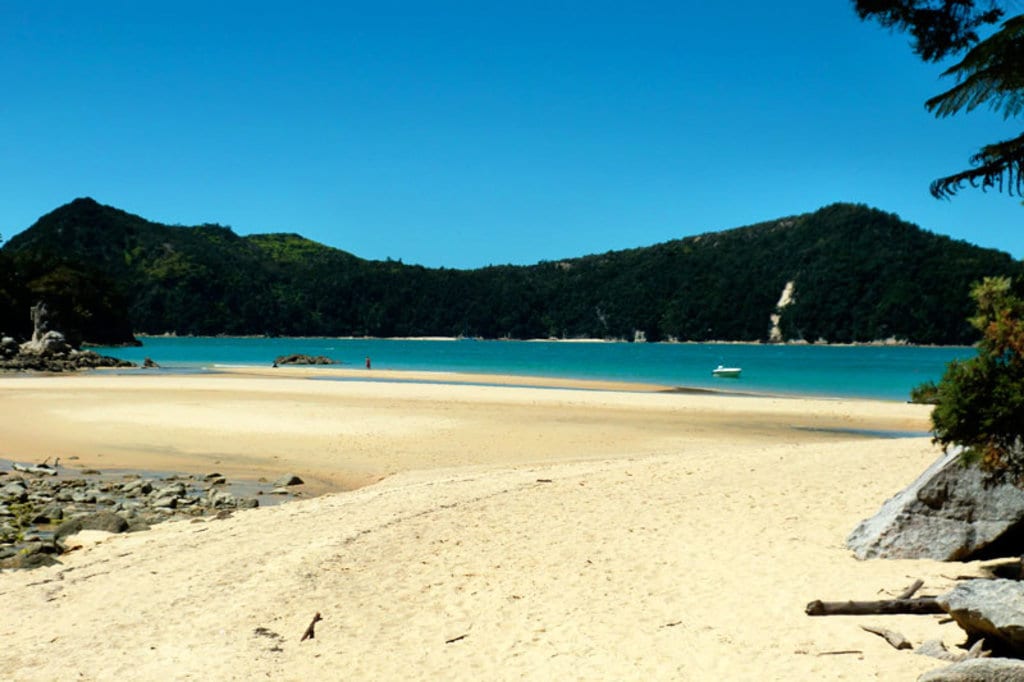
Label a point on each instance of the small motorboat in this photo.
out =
(726, 372)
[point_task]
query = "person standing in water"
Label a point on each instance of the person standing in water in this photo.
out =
(367, 362)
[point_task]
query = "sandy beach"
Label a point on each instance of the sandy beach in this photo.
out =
(466, 529)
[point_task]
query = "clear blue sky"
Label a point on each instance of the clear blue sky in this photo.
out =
(463, 134)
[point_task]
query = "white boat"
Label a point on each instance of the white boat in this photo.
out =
(730, 372)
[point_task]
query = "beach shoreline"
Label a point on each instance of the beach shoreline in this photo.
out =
(470, 531)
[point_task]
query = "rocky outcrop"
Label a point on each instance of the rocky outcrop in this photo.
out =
(49, 351)
(50, 343)
(989, 609)
(300, 359)
(60, 362)
(949, 513)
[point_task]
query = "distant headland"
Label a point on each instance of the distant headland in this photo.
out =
(845, 273)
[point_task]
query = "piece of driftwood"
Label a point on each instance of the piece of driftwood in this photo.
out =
(895, 639)
(34, 469)
(456, 639)
(873, 608)
(839, 653)
(310, 632)
(910, 591)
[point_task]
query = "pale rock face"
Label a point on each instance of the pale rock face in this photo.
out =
(50, 342)
(775, 335)
(948, 513)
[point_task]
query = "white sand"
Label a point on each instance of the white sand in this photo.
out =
(680, 536)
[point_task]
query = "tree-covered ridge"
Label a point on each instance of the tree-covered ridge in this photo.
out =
(859, 275)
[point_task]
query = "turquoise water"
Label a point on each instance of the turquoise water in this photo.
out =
(837, 371)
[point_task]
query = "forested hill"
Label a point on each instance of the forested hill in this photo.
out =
(856, 274)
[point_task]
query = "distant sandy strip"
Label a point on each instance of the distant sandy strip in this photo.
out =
(509, 532)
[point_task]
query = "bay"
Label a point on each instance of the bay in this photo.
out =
(881, 372)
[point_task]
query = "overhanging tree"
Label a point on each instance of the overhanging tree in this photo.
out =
(980, 402)
(990, 73)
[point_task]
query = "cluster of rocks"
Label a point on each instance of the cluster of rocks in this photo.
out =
(51, 354)
(301, 359)
(49, 351)
(953, 512)
(37, 513)
(991, 612)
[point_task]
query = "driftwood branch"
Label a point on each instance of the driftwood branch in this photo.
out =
(895, 639)
(310, 632)
(909, 592)
(45, 469)
(839, 653)
(920, 605)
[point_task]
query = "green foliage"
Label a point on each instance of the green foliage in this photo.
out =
(939, 27)
(860, 275)
(981, 400)
(14, 306)
(925, 394)
(992, 73)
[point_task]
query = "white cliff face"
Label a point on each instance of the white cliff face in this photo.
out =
(787, 295)
(775, 335)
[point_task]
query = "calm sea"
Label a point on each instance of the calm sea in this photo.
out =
(838, 371)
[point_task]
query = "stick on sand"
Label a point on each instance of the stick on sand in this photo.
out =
(310, 632)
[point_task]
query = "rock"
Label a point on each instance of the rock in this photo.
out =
(28, 561)
(14, 491)
(101, 520)
(300, 359)
(83, 497)
(219, 498)
(948, 513)
(137, 487)
(287, 480)
(978, 670)
(989, 609)
(165, 502)
(176, 489)
(149, 364)
(49, 343)
(248, 503)
(49, 513)
(8, 347)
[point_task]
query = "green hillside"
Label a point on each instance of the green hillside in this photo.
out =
(858, 274)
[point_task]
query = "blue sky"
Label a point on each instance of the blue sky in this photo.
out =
(463, 134)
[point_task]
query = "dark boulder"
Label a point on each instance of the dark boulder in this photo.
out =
(101, 520)
(288, 479)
